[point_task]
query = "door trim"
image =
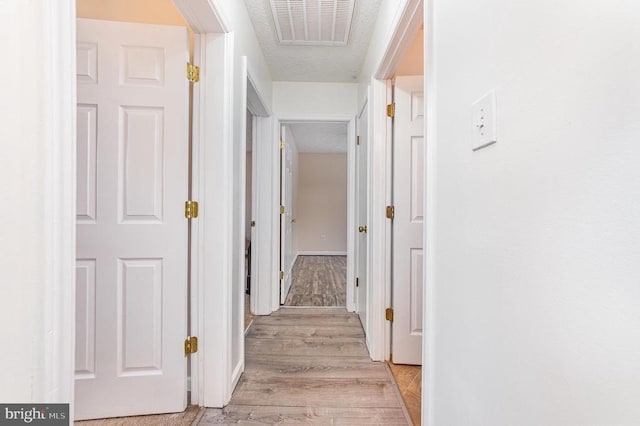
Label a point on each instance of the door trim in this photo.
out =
(213, 159)
(206, 21)
(269, 292)
(429, 231)
(57, 381)
(404, 28)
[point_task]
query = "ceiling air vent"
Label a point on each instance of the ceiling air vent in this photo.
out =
(313, 22)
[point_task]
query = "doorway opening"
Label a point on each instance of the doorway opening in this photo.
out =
(314, 179)
(406, 250)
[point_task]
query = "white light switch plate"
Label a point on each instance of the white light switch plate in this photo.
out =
(483, 123)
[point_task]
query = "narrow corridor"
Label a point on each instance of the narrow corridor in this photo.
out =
(311, 365)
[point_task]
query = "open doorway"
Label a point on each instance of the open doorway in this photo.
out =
(407, 219)
(313, 220)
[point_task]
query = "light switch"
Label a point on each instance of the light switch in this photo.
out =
(484, 121)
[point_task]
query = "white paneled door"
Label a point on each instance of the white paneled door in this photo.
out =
(408, 193)
(286, 215)
(132, 169)
(362, 191)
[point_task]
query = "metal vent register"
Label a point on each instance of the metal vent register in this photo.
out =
(313, 22)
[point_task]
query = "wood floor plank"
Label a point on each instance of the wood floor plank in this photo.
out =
(310, 319)
(325, 392)
(270, 415)
(263, 366)
(301, 331)
(344, 346)
(318, 281)
(320, 310)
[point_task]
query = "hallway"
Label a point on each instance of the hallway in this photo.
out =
(318, 281)
(311, 365)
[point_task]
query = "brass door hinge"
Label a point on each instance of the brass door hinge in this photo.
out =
(391, 212)
(357, 282)
(193, 73)
(391, 110)
(281, 209)
(253, 223)
(282, 145)
(358, 140)
(388, 314)
(282, 275)
(190, 345)
(190, 209)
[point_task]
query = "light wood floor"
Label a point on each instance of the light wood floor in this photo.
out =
(318, 281)
(409, 381)
(310, 366)
(185, 418)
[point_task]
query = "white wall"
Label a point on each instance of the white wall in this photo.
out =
(413, 61)
(22, 234)
(37, 211)
(321, 217)
(162, 12)
(246, 43)
(387, 18)
(303, 100)
(246, 53)
(535, 288)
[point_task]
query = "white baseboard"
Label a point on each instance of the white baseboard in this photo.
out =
(321, 253)
(235, 375)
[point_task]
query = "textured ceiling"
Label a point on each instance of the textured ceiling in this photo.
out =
(319, 137)
(314, 63)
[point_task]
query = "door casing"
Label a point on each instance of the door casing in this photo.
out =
(271, 290)
(207, 21)
(400, 38)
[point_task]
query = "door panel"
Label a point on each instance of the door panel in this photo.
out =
(86, 146)
(408, 195)
(132, 170)
(362, 189)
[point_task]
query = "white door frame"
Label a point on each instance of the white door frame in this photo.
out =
(430, 163)
(403, 30)
(261, 247)
(59, 124)
(214, 53)
(354, 232)
(268, 291)
(213, 167)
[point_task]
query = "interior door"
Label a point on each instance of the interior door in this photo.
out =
(408, 195)
(362, 189)
(132, 168)
(286, 215)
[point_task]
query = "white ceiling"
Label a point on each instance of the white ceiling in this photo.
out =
(319, 137)
(314, 63)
